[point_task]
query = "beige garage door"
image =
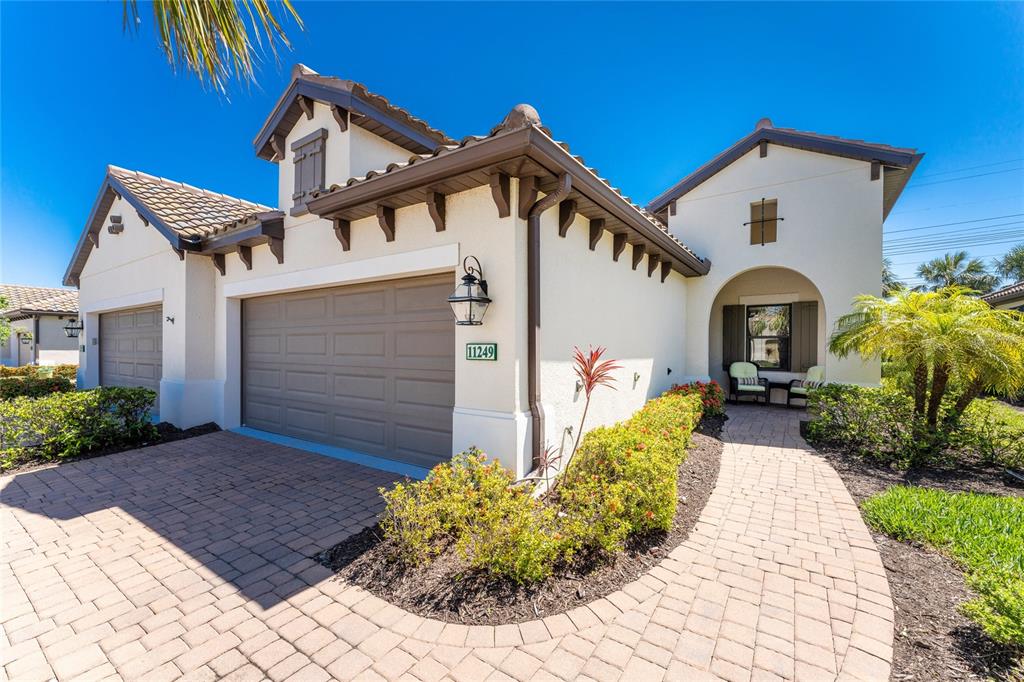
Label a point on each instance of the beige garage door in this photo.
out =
(368, 367)
(131, 344)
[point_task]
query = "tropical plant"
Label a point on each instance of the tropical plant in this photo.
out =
(1011, 266)
(214, 39)
(951, 345)
(592, 372)
(957, 269)
(890, 283)
(5, 324)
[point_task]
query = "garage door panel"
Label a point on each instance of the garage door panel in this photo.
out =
(131, 342)
(368, 367)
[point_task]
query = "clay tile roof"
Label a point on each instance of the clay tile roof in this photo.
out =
(38, 299)
(189, 211)
(1008, 292)
(471, 140)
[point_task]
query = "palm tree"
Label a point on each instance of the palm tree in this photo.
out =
(1011, 266)
(957, 269)
(949, 341)
(211, 38)
(890, 283)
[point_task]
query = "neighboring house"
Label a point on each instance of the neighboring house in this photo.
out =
(38, 316)
(1009, 297)
(326, 319)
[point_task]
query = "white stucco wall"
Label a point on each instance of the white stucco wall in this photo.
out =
(55, 348)
(832, 234)
(589, 299)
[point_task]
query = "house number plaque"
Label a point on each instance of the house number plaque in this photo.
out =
(481, 351)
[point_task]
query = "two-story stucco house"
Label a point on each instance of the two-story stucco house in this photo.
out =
(325, 319)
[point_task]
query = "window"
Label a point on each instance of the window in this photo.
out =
(309, 168)
(768, 336)
(764, 221)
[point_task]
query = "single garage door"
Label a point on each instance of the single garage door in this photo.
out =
(131, 345)
(367, 367)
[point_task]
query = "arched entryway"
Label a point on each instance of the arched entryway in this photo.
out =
(771, 316)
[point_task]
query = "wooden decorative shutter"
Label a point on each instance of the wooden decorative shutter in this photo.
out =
(310, 164)
(804, 336)
(733, 336)
(771, 223)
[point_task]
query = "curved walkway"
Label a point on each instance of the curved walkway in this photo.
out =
(779, 580)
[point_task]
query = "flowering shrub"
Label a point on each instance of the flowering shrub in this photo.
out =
(622, 482)
(73, 423)
(710, 392)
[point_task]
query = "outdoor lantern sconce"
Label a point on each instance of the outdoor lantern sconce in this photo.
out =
(73, 328)
(470, 301)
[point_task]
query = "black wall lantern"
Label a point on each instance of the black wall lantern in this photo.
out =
(73, 328)
(470, 301)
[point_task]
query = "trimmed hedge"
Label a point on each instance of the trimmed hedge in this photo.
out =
(33, 386)
(621, 482)
(69, 372)
(710, 392)
(74, 423)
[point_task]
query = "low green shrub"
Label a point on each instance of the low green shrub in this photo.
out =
(69, 372)
(622, 481)
(876, 423)
(73, 423)
(994, 431)
(710, 392)
(33, 386)
(984, 533)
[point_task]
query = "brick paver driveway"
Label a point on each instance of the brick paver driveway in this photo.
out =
(192, 559)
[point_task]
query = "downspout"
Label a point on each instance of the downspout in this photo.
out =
(533, 312)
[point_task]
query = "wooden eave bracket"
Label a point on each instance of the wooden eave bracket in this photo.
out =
(277, 145)
(638, 254)
(618, 246)
(180, 252)
(219, 263)
(245, 255)
(764, 148)
(143, 218)
(94, 239)
(596, 232)
(652, 263)
(876, 170)
(306, 104)
(500, 192)
(386, 218)
(566, 214)
(340, 116)
(343, 231)
(672, 207)
(666, 268)
(436, 209)
(527, 195)
(276, 245)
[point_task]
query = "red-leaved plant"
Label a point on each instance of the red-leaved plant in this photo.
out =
(592, 372)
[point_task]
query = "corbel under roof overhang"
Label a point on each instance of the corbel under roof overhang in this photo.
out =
(258, 229)
(525, 152)
(287, 112)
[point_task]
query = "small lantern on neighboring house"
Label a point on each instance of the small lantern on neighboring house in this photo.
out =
(73, 328)
(470, 301)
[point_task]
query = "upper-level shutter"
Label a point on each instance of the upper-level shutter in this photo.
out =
(733, 336)
(804, 336)
(310, 164)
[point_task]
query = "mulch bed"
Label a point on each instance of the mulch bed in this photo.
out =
(933, 639)
(166, 433)
(449, 591)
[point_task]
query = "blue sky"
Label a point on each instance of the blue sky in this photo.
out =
(645, 92)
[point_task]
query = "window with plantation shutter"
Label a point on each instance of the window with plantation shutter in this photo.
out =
(310, 164)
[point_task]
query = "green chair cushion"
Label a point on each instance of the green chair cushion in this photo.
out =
(742, 370)
(816, 373)
(754, 388)
(799, 390)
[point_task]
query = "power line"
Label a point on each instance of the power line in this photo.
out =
(962, 203)
(962, 222)
(979, 232)
(966, 177)
(906, 251)
(967, 168)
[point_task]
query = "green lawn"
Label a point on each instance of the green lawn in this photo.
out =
(984, 533)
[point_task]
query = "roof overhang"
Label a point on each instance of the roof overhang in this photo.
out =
(362, 111)
(26, 313)
(258, 229)
(904, 161)
(524, 152)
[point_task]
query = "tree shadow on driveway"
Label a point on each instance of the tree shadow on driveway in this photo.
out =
(250, 512)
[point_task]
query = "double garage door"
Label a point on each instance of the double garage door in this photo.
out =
(367, 367)
(131, 348)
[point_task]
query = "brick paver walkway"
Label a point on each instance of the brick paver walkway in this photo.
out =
(192, 559)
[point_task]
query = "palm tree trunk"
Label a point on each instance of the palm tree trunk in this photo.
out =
(965, 399)
(940, 377)
(920, 389)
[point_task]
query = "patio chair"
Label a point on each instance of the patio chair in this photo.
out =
(744, 381)
(799, 388)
